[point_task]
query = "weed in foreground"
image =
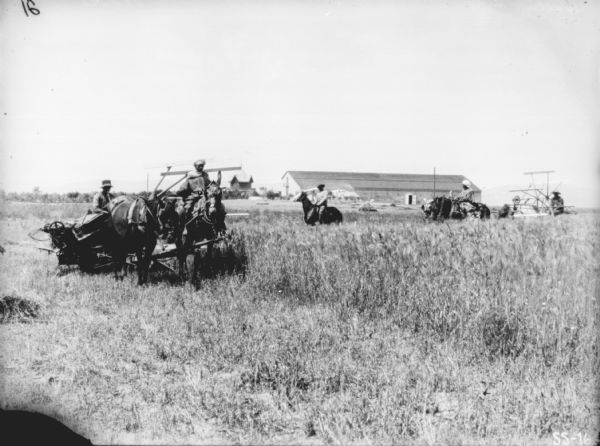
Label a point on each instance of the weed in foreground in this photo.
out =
(14, 308)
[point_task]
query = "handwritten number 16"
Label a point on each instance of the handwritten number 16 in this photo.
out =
(29, 7)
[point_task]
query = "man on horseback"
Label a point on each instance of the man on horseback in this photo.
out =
(102, 198)
(321, 200)
(463, 202)
(466, 195)
(194, 188)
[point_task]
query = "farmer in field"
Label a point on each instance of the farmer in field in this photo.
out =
(321, 200)
(557, 203)
(102, 198)
(194, 188)
(516, 203)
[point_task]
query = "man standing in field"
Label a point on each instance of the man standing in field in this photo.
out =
(557, 203)
(321, 200)
(102, 198)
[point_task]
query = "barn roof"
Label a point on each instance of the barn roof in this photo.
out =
(242, 177)
(366, 181)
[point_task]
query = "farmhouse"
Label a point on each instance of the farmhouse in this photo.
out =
(241, 181)
(395, 187)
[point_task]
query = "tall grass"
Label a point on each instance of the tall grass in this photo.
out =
(380, 330)
(452, 281)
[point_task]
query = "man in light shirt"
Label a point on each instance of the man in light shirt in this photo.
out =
(463, 203)
(321, 200)
(467, 193)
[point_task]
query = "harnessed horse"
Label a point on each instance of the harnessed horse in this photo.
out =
(443, 208)
(135, 228)
(206, 221)
(438, 208)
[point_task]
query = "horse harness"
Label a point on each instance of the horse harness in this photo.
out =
(200, 212)
(136, 214)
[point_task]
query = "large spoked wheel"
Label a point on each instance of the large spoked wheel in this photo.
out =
(55, 226)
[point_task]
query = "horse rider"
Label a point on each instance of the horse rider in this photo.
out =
(194, 187)
(463, 202)
(466, 195)
(557, 203)
(102, 198)
(321, 200)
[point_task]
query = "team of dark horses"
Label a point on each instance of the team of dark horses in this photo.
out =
(137, 223)
(134, 225)
(443, 208)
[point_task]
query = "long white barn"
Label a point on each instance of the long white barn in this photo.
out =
(394, 187)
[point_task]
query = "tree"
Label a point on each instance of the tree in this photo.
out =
(271, 194)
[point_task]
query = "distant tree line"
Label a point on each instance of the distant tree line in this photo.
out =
(37, 196)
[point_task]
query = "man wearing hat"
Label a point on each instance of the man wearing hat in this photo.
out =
(557, 203)
(467, 193)
(195, 185)
(102, 198)
(463, 202)
(321, 200)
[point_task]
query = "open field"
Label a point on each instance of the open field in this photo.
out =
(384, 329)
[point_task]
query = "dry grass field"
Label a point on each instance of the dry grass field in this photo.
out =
(383, 330)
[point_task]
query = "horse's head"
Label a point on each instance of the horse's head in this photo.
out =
(426, 207)
(300, 197)
(170, 210)
(435, 205)
(440, 206)
(214, 195)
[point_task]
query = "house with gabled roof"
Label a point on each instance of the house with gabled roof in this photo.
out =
(402, 188)
(241, 181)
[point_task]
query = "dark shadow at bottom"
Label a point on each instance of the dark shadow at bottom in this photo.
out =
(30, 428)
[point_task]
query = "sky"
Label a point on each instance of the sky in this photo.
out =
(119, 89)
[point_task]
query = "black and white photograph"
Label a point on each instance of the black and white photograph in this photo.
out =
(307, 222)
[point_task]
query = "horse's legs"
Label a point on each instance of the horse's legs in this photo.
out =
(181, 256)
(182, 260)
(144, 256)
(144, 259)
(119, 257)
(194, 279)
(208, 259)
(140, 255)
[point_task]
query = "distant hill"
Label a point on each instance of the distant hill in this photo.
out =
(573, 195)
